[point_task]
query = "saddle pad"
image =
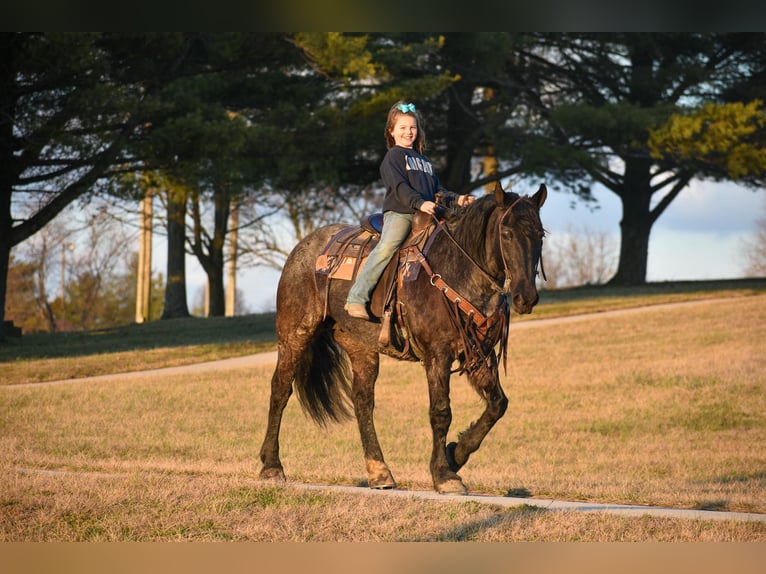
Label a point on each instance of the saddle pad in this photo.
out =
(346, 253)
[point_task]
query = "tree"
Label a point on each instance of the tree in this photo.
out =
(755, 250)
(69, 105)
(76, 273)
(475, 134)
(613, 109)
(20, 304)
(599, 99)
(329, 144)
(579, 257)
(175, 305)
(221, 142)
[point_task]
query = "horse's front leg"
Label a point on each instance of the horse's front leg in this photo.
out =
(487, 382)
(445, 479)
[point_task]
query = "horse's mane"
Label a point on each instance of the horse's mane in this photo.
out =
(469, 225)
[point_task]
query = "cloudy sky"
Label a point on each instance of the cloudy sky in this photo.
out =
(700, 236)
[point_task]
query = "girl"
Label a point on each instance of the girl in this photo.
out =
(411, 185)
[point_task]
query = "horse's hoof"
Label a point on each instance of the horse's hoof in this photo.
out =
(452, 486)
(388, 484)
(275, 474)
(450, 452)
(378, 475)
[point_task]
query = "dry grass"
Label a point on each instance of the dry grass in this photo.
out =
(49, 357)
(666, 407)
(141, 507)
(597, 298)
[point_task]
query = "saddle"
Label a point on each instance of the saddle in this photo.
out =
(346, 253)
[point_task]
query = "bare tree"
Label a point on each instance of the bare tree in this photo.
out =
(77, 268)
(755, 250)
(287, 217)
(47, 253)
(580, 257)
(101, 257)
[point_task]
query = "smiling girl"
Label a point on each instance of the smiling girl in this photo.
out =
(411, 186)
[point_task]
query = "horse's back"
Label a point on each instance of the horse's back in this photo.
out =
(302, 258)
(298, 298)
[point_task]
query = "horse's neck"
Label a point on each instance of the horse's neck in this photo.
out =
(475, 275)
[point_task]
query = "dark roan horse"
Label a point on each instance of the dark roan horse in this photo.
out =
(456, 312)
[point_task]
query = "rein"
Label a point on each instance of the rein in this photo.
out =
(507, 283)
(479, 334)
(477, 329)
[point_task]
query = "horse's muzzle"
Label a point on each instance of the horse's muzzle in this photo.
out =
(524, 303)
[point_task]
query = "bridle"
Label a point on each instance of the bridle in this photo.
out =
(476, 330)
(506, 286)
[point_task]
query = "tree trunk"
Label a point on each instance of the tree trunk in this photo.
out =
(209, 250)
(175, 290)
(8, 172)
(461, 137)
(5, 258)
(214, 269)
(636, 224)
(144, 269)
(231, 279)
(216, 301)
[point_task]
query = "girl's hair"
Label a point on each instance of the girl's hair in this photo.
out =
(393, 114)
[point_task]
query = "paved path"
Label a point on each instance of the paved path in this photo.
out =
(220, 365)
(502, 501)
(548, 504)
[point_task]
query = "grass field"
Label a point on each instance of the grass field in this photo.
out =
(663, 407)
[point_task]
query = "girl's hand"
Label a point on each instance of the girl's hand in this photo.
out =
(463, 200)
(428, 207)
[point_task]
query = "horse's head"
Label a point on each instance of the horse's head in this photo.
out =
(520, 235)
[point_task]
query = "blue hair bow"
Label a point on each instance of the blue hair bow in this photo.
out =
(404, 108)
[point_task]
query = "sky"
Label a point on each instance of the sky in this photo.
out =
(701, 235)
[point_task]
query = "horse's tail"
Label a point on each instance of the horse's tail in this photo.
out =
(322, 380)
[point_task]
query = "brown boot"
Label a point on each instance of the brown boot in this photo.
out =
(356, 310)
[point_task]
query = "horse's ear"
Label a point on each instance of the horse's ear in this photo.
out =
(499, 194)
(540, 196)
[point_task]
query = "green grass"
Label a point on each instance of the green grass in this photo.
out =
(55, 356)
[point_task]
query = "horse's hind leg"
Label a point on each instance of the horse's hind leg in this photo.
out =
(281, 389)
(365, 366)
(487, 382)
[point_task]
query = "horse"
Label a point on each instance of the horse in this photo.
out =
(456, 311)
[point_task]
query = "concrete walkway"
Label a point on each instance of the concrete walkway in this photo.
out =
(544, 503)
(220, 365)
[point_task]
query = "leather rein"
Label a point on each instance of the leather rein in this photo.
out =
(475, 331)
(495, 286)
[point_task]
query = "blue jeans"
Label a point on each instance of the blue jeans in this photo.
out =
(396, 228)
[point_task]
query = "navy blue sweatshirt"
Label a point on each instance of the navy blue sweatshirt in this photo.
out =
(410, 181)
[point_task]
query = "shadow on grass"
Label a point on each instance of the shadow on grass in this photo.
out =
(717, 505)
(256, 329)
(518, 493)
(467, 531)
